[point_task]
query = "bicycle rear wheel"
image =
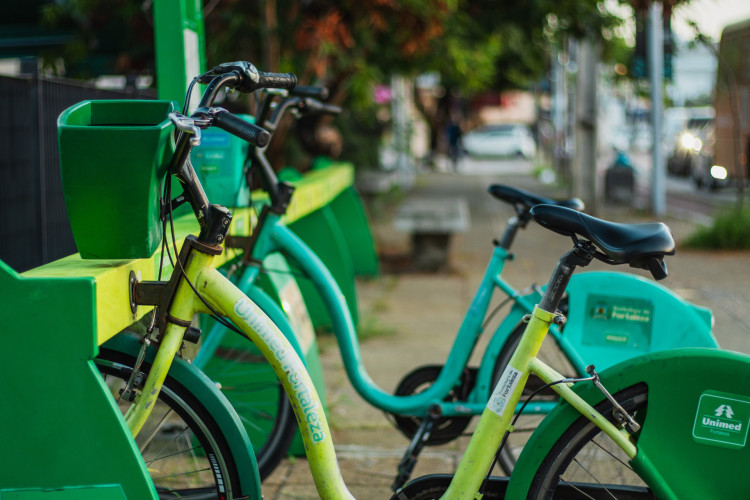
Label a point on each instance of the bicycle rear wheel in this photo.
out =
(585, 463)
(184, 449)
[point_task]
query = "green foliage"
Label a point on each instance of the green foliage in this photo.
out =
(730, 231)
(352, 45)
(103, 42)
(361, 131)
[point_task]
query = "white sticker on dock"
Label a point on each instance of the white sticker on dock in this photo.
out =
(503, 390)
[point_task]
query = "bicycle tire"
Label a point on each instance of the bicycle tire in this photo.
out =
(582, 451)
(257, 395)
(446, 429)
(184, 449)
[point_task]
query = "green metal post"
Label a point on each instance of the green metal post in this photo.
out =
(180, 46)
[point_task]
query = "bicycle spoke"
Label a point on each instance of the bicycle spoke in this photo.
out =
(182, 474)
(191, 450)
(157, 428)
(252, 423)
(164, 457)
(627, 465)
(593, 477)
(579, 490)
(161, 456)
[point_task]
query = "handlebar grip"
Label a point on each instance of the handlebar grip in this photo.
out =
(310, 91)
(276, 80)
(315, 106)
(241, 128)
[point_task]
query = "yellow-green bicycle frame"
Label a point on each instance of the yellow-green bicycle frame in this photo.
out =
(229, 301)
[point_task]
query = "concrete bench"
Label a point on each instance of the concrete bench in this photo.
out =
(431, 221)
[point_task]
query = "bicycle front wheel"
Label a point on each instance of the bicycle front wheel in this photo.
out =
(585, 463)
(184, 449)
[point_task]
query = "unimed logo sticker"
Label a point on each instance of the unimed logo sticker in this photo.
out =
(722, 420)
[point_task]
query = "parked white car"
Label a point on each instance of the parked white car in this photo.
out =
(509, 139)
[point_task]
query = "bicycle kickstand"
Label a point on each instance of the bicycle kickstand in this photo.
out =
(421, 436)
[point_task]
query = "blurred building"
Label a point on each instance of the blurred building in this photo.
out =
(693, 74)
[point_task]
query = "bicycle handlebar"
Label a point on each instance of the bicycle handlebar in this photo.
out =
(315, 106)
(248, 78)
(244, 77)
(241, 128)
(309, 91)
(277, 81)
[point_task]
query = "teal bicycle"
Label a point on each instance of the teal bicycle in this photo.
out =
(613, 317)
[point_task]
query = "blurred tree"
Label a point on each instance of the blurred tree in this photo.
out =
(351, 45)
(110, 37)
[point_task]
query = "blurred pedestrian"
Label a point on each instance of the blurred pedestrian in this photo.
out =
(453, 130)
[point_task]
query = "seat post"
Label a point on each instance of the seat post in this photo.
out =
(515, 223)
(581, 256)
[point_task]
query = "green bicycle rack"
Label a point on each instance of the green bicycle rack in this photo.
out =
(66, 433)
(73, 305)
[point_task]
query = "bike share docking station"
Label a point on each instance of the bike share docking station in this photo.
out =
(68, 435)
(82, 301)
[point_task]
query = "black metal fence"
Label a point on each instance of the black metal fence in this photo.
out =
(34, 227)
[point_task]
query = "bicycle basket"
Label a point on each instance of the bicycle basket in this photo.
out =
(113, 156)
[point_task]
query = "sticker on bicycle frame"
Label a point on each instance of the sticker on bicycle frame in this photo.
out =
(722, 420)
(503, 390)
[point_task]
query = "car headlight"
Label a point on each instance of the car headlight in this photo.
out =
(690, 142)
(718, 172)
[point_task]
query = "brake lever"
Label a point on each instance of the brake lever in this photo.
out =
(186, 124)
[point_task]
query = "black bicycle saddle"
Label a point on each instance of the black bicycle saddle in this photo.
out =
(639, 245)
(525, 201)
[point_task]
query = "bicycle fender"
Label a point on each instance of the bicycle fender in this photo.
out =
(214, 401)
(694, 437)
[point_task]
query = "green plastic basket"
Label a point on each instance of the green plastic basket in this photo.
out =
(113, 156)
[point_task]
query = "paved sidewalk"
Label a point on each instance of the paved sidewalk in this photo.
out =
(418, 314)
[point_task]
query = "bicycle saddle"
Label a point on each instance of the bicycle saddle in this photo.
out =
(639, 245)
(525, 201)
